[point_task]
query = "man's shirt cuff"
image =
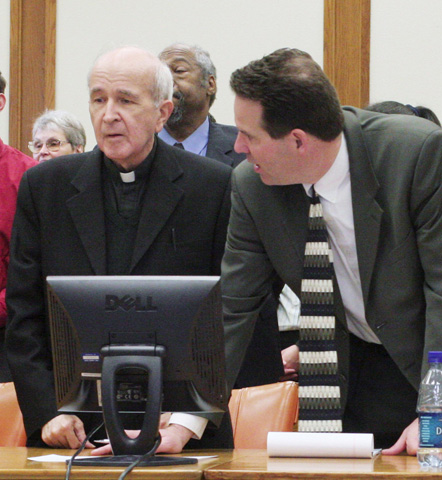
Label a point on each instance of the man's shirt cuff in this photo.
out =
(195, 424)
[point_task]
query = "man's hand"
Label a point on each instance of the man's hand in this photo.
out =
(64, 431)
(290, 361)
(173, 439)
(408, 440)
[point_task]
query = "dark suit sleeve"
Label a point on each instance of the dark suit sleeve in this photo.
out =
(247, 278)
(426, 208)
(219, 239)
(27, 338)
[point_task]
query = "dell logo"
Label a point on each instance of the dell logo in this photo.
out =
(126, 303)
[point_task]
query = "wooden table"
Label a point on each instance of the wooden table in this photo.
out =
(228, 465)
(255, 464)
(14, 464)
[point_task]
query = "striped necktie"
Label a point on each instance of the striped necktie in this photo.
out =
(319, 393)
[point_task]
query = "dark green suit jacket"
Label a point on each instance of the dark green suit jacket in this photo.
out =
(396, 183)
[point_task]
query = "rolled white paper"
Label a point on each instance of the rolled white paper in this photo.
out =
(338, 445)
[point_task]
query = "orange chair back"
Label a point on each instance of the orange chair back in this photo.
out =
(12, 430)
(255, 411)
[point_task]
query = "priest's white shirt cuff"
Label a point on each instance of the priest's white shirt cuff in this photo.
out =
(195, 424)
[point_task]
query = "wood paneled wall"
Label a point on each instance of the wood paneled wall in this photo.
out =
(32, 58)
(347, 49)
(32, 66)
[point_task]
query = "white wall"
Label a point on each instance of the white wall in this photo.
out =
(406, 64)
(4, 65)
(405, 42)
(233, 31)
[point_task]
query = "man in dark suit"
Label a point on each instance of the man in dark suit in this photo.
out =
(192, 126)
(379, 181)
(133, 206)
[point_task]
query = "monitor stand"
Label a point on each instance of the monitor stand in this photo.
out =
(126, 460)
(149, 359)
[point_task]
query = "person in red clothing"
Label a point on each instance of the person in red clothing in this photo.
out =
(13, 164)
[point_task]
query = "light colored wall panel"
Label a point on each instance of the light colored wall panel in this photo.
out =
(233, 31)
(406, 39)
(4, 65)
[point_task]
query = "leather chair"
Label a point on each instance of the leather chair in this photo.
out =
(255, 411)
(12, 430)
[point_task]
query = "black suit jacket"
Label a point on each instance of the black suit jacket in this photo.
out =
(59, 229)
(220, 146)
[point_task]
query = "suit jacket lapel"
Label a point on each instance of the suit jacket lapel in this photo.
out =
(295, 196)
(219, 145)
(160, 198)
(367, 213)
(86, 209)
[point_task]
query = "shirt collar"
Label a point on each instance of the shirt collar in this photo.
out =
(328, 185)
(196, 142)
(141, 172)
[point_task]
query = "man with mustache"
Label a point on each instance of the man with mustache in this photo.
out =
(194, 91)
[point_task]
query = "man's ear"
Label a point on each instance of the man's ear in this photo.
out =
(300, 138)
(165, 109)
(211, 88)
(2, 101)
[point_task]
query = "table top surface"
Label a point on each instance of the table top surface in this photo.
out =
(15, 464)
(226, 465)
(248, 464)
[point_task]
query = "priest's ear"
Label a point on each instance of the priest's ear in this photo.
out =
(164, 111)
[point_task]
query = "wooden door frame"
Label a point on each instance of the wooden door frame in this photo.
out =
(33, 46)
(32, 66)
(347, 49)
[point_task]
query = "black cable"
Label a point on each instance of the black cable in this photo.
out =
(80, 449)
(141, 458)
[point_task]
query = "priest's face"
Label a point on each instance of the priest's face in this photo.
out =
(124, 114)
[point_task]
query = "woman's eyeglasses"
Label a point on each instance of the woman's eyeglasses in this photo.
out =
(53, 145)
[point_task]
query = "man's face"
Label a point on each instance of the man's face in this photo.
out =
(190, 96)
(277, 161)
(123, 113)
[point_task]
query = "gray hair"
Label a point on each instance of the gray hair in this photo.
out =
(203, 60)
(163, 86)
(65, 121)
(208, 69)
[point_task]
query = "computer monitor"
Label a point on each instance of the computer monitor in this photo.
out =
(137, 344)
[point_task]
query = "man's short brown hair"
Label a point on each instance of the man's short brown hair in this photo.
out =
(293, 91)
(2, 83)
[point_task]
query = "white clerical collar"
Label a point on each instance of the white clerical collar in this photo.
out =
(128, 177)
(328, 185)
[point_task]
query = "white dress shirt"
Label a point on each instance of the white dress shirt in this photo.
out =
(334, 190)
(195, 143)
